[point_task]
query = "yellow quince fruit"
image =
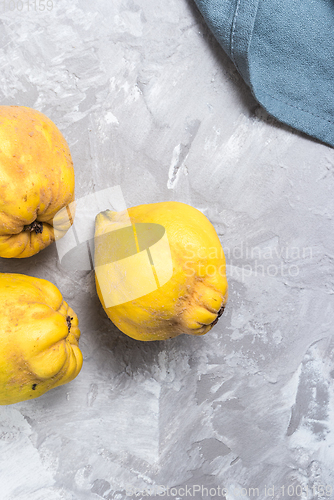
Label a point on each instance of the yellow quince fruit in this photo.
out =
(39, 336)
(36, 182)
(160, 270)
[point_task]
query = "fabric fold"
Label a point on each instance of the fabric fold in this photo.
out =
(284, 50)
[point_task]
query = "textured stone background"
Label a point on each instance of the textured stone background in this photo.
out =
(148, 101)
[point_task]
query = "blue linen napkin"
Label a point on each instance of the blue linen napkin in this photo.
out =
(284, 50)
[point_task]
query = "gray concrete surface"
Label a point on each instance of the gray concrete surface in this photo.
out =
(148, 101)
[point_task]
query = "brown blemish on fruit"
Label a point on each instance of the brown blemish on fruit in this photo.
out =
(69, 324)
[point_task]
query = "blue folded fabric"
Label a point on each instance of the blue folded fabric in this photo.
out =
(284, 50)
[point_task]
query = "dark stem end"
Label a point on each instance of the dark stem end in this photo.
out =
(34, 226)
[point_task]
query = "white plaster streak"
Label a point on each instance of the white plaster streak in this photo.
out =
(175, 167)
(15, 440)
(289, 391)
(110, 118)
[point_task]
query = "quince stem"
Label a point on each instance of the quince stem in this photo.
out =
(220, 312)
(34, 226)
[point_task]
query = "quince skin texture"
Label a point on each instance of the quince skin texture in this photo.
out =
(36, 182)
(38, 338)
(160, 270)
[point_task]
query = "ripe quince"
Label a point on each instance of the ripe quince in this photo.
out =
(39, 336)
(160, 270)
(36, 182)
